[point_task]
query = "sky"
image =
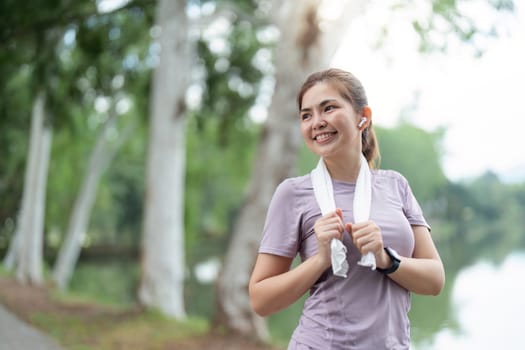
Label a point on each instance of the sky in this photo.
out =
(478, 99)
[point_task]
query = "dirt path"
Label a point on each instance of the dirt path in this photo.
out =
(18, 303)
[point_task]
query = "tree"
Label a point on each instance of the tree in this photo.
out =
(163, 262)
(32, 48)
(302, 48)
(28, 243)
(100, 157)
(96, 51)
(57, 70)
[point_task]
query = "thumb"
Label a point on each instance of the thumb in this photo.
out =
(348, 228)
(339, 213)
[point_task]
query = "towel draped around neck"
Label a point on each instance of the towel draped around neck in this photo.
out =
(324, 194)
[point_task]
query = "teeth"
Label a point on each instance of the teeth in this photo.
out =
(323, 137)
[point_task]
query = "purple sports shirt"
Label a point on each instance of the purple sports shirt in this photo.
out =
(366, 310)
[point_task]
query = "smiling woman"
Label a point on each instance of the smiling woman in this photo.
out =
(359, 212)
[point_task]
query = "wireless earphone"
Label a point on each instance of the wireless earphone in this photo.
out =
(361, 122)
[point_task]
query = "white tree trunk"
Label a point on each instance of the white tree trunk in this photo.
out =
(302, 49)
(29, 245)
(101, 156)
(10, 256)
(163, 262)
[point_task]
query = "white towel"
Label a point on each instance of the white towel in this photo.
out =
(324, 194)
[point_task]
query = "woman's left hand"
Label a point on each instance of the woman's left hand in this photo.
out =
(367, 237)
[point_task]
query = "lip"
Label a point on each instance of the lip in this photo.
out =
(324, 136)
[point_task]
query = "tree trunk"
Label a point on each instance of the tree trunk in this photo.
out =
(302, 49)
(10, 256)
(162, 260)
(101, 156)
(28, 250)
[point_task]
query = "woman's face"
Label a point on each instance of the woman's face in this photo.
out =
(329, 122)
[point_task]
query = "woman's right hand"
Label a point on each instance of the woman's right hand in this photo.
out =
(326, 228)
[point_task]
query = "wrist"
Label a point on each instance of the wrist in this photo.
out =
(321, 261)
(395, 261)
(383, 261)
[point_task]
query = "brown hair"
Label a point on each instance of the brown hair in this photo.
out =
(351, 90)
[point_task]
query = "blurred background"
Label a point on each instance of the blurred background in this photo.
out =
(141, 141)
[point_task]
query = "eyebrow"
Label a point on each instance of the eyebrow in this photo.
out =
(321, 104)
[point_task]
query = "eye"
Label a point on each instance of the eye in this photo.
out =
(305, 116)
(329, 108)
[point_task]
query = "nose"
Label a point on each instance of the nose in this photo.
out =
(319, 121)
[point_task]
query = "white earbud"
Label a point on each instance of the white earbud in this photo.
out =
(361, 122)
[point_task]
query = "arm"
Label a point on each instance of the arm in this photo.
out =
(423, 273)
(273, 286)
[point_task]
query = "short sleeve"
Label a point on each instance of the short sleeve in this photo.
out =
(411, 207)
(282, 225)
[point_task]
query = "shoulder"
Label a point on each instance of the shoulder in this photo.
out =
(390, 178)
(292, 189)
(296, 184)
(389, 175)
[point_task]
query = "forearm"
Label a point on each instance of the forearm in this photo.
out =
(275, 293)
(421, 276)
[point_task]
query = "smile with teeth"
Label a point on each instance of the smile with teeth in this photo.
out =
(324, 136)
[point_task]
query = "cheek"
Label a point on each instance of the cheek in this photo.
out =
(305, 132)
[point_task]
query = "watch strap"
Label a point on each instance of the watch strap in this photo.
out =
(395, 263)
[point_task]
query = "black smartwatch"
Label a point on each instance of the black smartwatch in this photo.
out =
(395, 261)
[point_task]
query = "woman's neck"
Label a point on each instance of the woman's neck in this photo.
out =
(345, 169)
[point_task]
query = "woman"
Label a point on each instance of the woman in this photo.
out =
(361, 308)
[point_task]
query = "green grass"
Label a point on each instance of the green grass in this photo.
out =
(108, 282)
(3, 271)
(111, 286)
(115, 283)
(148, 330)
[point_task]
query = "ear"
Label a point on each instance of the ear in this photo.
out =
(366, 113)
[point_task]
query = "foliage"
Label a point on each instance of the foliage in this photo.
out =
(112, 282)
(89, 58)
(415, 153)
(221, 136)
(449, 19)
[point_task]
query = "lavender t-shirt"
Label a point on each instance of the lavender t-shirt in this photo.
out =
(366, 310)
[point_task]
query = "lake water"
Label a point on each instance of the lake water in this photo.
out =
(482, 308)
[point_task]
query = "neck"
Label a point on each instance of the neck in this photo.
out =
(344, 170)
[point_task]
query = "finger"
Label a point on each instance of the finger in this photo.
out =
(338, 221)
(350, 231)
(364, 245)
(360, 230)
(331, 226)
(336, 234)
(358, 234)
(372, 246)
(328, 235)
(360, 225)
(339, 213)
(328, 225)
